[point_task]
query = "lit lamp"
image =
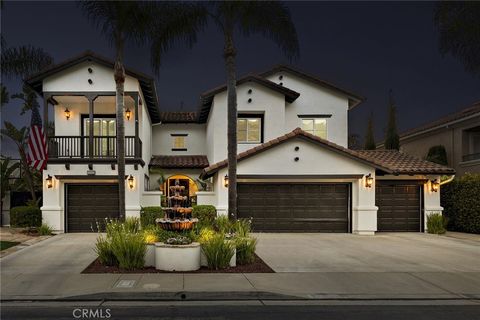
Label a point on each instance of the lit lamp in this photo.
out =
(434, 185)
(130, 181)
(369, 181)
(225, 181)
(128, 114)
(67, 113)
(49, 180)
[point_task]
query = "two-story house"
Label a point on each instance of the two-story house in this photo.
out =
(295, 172)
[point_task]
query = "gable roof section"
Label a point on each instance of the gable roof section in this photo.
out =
(186, 161)
(178, 117)
(472, 111)
(147, 83)
(390, 162)
(353, 98)
(207, 97)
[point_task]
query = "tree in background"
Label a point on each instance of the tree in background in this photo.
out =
(7, 168)
(159, 24)
(23, 61)
(354, 141)
(392, 140)
(437, 154)
(369, 135)
(269, 18)
(459, 32)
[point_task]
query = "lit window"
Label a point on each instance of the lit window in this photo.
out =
(178, 142)
(249, 130)
(317, 127)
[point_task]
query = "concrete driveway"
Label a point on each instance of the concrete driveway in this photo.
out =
(385, 252)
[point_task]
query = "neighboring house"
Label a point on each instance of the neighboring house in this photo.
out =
(459, 133)
(295, 172)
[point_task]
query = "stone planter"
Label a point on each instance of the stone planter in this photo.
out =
(177, 257)
(150, 255)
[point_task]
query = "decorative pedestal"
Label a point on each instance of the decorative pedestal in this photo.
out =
(150, 255)
(177, 257)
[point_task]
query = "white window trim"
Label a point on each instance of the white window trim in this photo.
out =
(259, 130)
(179, 135)
(313, 119)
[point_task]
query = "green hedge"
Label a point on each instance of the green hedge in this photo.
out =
(25, 217)
(461, 202)
(149, 214)
(205, 213)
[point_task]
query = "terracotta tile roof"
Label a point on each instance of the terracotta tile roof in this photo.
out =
(178, 117)
(392, 162)
(402, 163)
(467, 112)
(187, 161)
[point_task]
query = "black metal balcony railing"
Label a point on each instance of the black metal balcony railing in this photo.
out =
(471, 157)
(104, 147)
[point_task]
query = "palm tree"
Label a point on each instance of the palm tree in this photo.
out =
(7, 168)
(23, 60)
(272, 20)
(159, 24)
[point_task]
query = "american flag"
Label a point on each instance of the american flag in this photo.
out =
(37, 146)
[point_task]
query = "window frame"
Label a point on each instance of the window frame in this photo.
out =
(313, 118)
(252, 116)
(178, 135)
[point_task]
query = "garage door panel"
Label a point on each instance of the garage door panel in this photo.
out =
(295, 207)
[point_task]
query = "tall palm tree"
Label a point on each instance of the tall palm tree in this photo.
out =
(271, 19)
(23, 61)
(159, 24)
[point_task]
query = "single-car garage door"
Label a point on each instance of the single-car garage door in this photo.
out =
(399, 206)
(87, 204)
(295, 207)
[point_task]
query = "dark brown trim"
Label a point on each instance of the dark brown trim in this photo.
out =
(179, 134)
(307, 177)
(87, 177)
(314, 115)
(179, 149)
(93, 161)
(260, 116)
(401, 182)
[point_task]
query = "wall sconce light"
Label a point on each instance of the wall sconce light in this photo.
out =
(368, 181)
(225, 181)
(434, 185)
(49, 180)
(128, 114)
(130, 181)
(67, 113)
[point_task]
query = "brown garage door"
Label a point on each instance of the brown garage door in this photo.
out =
(295, 207)
(399, 206)
(87, 204)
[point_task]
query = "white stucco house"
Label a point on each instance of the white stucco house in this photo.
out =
(295, 172)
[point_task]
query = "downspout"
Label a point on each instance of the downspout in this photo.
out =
(448, 180)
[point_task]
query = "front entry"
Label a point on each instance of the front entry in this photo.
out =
(87, 204)
(295, 207)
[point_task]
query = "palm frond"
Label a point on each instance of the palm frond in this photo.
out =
(29, 99)
(24, 61)
(18, 136)
(5, 96)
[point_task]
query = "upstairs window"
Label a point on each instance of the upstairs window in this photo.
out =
(249, 128)
(317, 127)
(179, 142)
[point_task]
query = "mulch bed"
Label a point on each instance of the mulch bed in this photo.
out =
(256, 267)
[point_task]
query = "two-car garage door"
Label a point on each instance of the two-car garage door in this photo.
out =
(295, 207)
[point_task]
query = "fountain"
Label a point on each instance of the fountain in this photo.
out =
(178, 214)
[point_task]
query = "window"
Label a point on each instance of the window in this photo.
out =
(317, 127)
(179, 142)
(471, 148)
(249, 129)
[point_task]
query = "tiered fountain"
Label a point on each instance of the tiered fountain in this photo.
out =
(178, 214)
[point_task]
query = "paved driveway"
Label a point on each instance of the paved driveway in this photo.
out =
(386, 252)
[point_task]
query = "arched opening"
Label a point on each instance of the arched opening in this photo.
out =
(189, 184)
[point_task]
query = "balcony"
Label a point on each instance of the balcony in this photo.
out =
(67, 149)
(471, 157)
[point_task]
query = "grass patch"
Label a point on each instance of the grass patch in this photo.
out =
(7, 244)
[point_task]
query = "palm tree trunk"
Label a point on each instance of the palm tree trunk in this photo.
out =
(119, 75)
(229, 55)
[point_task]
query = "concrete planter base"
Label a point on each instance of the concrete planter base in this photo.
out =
(177, 258)
(150, 255)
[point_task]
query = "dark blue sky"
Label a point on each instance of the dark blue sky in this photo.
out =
(366, 47)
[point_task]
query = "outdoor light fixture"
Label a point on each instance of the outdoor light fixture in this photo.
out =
(49, 180)
(128, 114)
(369, 181)
(67, 113)
(130, 181)
(225, 181)
(434, 185)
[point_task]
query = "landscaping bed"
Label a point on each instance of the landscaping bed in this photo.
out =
(7, 244)
(258, 266)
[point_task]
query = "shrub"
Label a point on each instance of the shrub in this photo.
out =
(461, 203)
(218, 252)
(205, 235)
(205, 213)
(179, 240)
(148, 215)
(103, 248)
(223, 225)
(242, 227)
(437, 154)
(436, 223)
(150, 235)
(25, 217)
(131, 225)
(246, 250)
(44, 230)
(129, 249)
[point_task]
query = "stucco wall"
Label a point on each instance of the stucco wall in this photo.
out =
(195, 141)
